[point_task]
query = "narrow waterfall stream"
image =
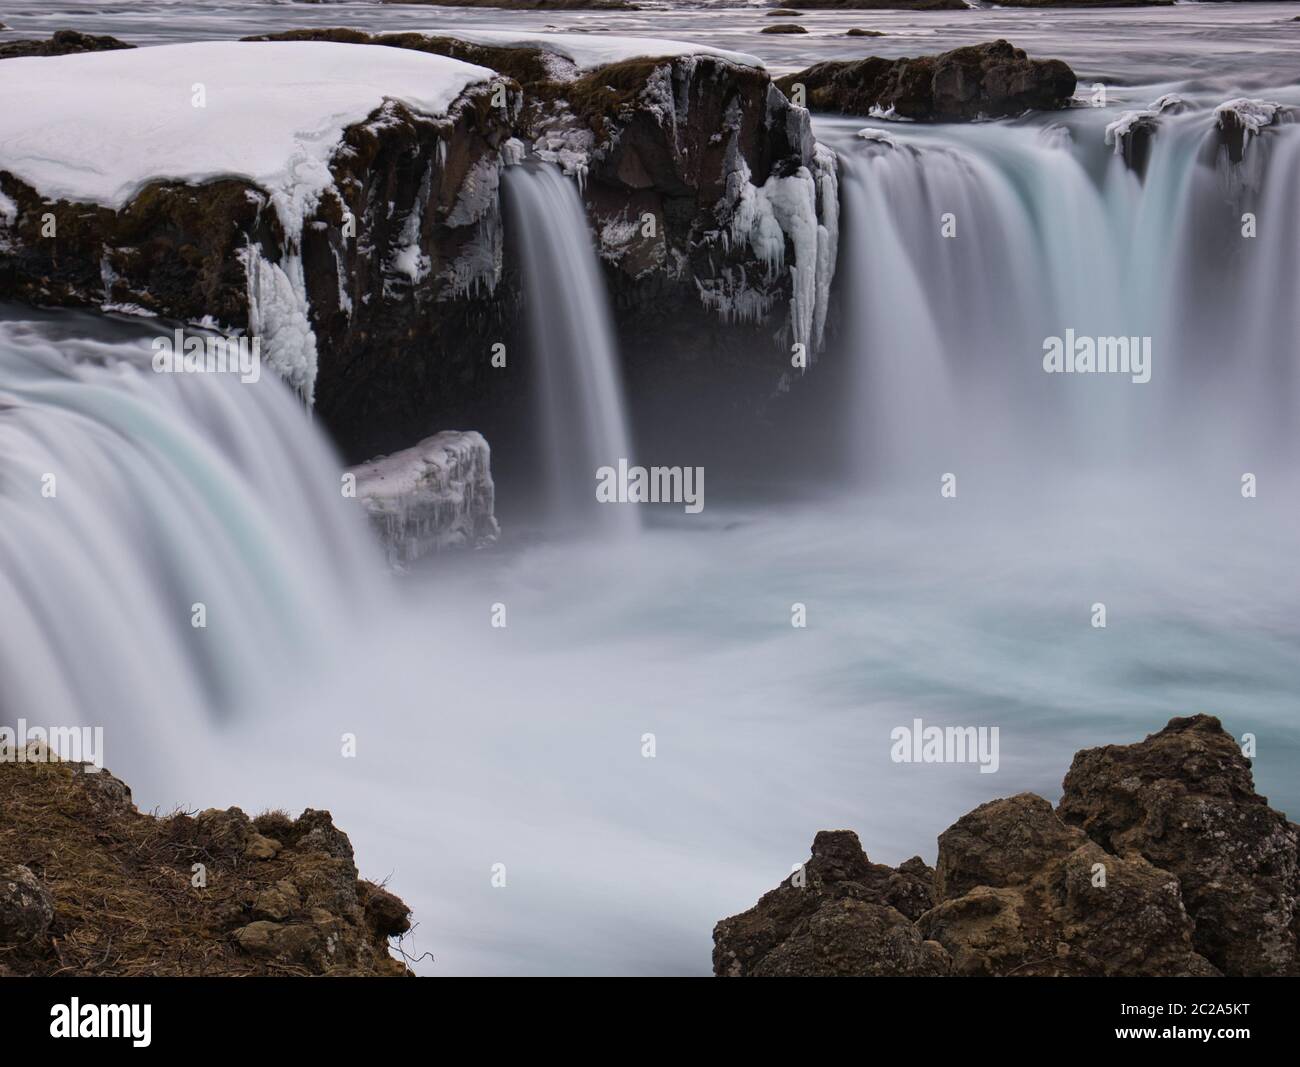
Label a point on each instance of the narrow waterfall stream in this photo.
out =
(579, 383)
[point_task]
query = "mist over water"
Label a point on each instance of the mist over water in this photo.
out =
(479, 745)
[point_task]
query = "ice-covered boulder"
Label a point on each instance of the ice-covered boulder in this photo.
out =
(436, 495)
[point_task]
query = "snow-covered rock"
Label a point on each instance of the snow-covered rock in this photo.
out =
(101, 128)
(434, 496)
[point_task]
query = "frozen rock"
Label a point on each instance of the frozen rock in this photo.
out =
(436, 495)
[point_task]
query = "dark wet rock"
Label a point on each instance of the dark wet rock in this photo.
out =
(62, 43)
(1184, 799)
(1132, 133)
(783, 27)
(977, 81)
(1161, 860)
(857, 31)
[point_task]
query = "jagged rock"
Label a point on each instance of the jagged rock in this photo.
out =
(62, 43)
(1160, 861)
(1018, 893)
(1184, 799)
(26, 907)
(438, 494)
(179, 895)
(811, 904)
(984, 80)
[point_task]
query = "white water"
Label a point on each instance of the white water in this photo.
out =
(523, 746)
(1054, 232)
(576, 375)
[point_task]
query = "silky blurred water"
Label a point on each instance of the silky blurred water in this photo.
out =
(479, 745)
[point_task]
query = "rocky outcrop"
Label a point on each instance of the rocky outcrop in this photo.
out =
(62, 43)
(991, 80)
(1161, 860)
(839, 914)
(91, 886)
(1184, 801)
(436, 495)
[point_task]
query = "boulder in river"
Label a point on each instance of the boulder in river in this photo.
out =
(992, 80)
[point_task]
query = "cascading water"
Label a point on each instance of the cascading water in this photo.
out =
(129, 497)
(579, 385)
(968, 247)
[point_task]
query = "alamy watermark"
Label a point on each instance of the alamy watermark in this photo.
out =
(1073, 354)
(197, 354)
(919, 743)
(51, 744)
(651, 485)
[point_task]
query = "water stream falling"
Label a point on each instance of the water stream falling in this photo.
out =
(966, 248)
(127, 498)
(578, 381)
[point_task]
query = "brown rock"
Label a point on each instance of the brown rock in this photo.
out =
(1184, 799)
(838, 871)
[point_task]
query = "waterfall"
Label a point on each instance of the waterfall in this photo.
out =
(578, 381)
(127, 498)
(968, 247)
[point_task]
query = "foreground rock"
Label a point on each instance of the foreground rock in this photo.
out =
(994, 80)
(1161, 860)
(434, 496)
(90, 886)
(1184, 800)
